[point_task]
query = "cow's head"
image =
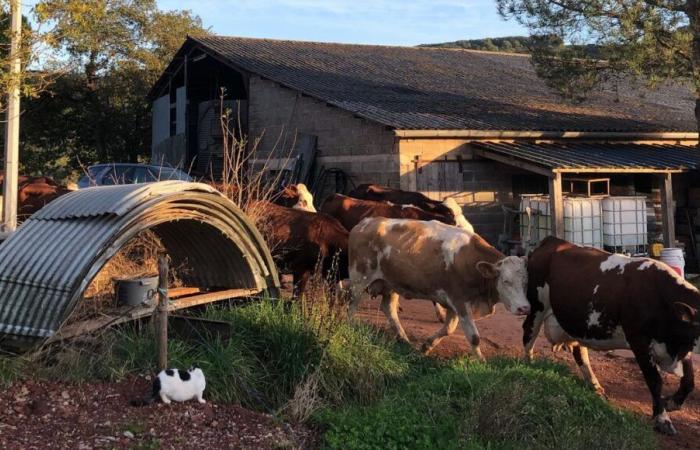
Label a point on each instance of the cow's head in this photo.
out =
(297, 196)
(691, 323)
(456, 211)
(510, 275)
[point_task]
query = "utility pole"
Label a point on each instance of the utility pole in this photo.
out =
(9, 210)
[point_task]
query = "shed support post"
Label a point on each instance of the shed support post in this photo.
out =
(556, 206)
(668, 210)
(162, 312)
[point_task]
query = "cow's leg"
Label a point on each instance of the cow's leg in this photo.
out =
(584, 364)
(469, 327)
(440, 312)
(301, 279)
(451, 321)
(662, 422)
(674, 402)
(390, 306)
(355, 292)
(531, 329)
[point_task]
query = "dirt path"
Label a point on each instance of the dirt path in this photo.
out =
(502, 335)
(41, 415)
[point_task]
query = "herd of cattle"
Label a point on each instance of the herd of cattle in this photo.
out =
(392, 243)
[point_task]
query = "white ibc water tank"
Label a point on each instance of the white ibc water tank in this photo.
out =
(582, 220)
(625, 224)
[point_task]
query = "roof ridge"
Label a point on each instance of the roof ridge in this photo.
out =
(420, 47)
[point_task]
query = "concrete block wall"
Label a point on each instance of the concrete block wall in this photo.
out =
(363, 149)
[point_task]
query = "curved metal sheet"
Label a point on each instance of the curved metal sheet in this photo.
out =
(48, 263)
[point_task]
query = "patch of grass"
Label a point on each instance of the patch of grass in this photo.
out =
(503, 404)
(308, 362)
(11, 369)
(292, 342)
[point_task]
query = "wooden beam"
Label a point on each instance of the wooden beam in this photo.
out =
(556, 206)
(511, 161)
(618, 170)
(129, 313)
(512, 134)
(668, 210)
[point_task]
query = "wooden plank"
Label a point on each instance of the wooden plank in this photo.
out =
(668, 210)
(182, 292)
(556, 205)
(188, 302)
(129, 313)
(512, 162)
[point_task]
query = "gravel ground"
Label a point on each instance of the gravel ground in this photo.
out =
(41, 415)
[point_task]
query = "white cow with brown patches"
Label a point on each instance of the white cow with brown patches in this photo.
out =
(438, 262)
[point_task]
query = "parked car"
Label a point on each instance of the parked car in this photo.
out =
(127, 173)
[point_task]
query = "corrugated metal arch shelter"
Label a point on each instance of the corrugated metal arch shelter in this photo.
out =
(49, 262)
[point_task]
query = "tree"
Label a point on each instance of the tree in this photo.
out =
(652, 40)
(116, 49)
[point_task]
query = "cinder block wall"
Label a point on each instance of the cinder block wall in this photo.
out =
(363, 149)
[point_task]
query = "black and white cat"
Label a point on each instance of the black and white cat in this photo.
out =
(177, 385)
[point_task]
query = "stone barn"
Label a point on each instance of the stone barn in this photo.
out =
(474, 125)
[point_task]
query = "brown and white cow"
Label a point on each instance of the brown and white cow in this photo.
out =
(434, 261)
(449, 208)
(302, 241)
(381, 193)
(351, 211)
(590, 298)
(296, 196)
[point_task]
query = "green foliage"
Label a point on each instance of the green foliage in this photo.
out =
(512, 44)
(648, 39)
(11, 369)
(110, 52)
(503, 404)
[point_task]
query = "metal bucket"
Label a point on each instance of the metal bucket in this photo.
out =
(136, 291)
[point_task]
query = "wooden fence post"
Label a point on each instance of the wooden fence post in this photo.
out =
(162, 312)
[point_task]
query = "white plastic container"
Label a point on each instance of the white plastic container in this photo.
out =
(583, 224)
(674, 258)
(625, 224)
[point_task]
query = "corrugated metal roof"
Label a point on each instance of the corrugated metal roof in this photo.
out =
(610, 156)
(414, 88)
(47, 264)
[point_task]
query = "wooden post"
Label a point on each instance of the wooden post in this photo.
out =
(11, 166)
(668, 210)
(162, 312)
(556, 205)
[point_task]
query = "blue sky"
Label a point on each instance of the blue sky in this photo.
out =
(390, 22)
